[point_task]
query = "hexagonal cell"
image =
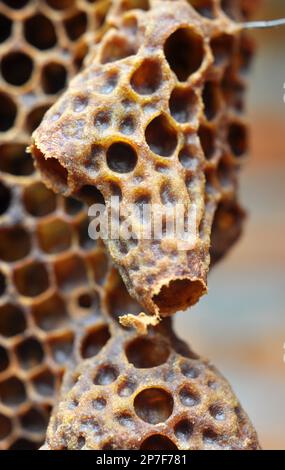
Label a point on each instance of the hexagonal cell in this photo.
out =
(54, 235)
(189, 370)
(211, 99)
(161, 136)
(121, 157)
(127, 125)
(154, 405)
(60, 4)
(34, 421)
(119, 301)
(106, 374)
(210, 437)
(80, 102)
(5, 198)
(246, 53)
(183, 105)
(8, 112)
(183, 430)
(233, 90)
(187, 157)
(12, 392)
(4, 359)
(17, 68)
(44, 383)
(54, 76)
(231, 9)
(72, 206)
(12, 320)
(16, 4)
(85, 300)
(116, 48)
(94, 340)
(238, 138)
(125, 419)
(111, 82)
(40, 32)
(226, 173)
(39, 200)
(212, 185)
(222, 48)
(90, 194)
(15, 243)
(189, 397)
(99, 263)
(158, 442)
(207, 140)
(5, 27)
(227, 226)
(51, 314)
(184, 51)
(99, 403)
(89, 301)
(30, 353)
(102, 120)
(218, 411)
(31, 279)
(147, 352)
(204, 7)
(34, 118)
(5, 426)
(76, 25)
(82, 228)
(126, 387)
(14, 158)
(148, 77)
(62, 347)
(70, 272)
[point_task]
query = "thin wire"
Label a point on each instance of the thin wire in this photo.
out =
(264, 24)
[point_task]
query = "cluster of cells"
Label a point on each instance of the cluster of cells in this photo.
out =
(156, 117)
(148, 393)
(60, 296)
(45, 251)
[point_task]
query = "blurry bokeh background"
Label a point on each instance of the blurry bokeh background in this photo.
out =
(240, 325)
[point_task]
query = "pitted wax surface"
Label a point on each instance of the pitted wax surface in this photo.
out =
(60, 297)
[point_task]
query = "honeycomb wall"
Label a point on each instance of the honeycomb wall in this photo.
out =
(156, 116)
(54, 281)
(148, 393)
(45, 252)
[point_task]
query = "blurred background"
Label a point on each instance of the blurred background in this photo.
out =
(240, 325)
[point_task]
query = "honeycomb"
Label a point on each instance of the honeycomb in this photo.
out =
(54, 280)
(45, 251)
(156, 116)
(148, 393)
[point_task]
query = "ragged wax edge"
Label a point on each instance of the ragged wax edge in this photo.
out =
(140, 322)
